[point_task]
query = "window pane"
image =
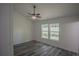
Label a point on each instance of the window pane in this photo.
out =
(54, 25)
(54, 38)
(45, 35)
(54, 28)
(54, 33)
(44, 27)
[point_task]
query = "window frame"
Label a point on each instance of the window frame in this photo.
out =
(50, 31)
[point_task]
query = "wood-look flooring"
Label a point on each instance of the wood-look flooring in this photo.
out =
(34, 48)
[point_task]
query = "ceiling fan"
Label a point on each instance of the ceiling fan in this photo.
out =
(34, 14)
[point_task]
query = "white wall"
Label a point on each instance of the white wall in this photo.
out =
(6, 47)
(68, 33)
(22, 29)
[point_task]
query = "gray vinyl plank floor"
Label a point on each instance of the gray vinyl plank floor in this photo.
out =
(35, 48)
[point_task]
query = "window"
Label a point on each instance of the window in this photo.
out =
(52, 30)
(44, 29)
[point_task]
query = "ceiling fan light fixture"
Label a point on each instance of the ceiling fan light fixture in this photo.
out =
(34, 17)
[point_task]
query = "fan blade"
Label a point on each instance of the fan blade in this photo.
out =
(38, 14)
(31, 14)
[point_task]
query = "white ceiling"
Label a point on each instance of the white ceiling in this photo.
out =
(49, 10)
